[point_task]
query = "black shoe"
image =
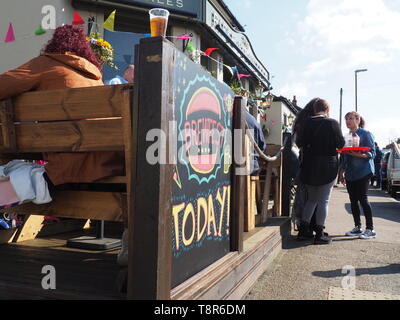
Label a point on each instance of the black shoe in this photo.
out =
(321, 237)
(305, 232)
(315, 228)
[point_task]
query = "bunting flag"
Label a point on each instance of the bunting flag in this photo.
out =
(240, 76)
(229, 69)
(184, 37)
(10, 34)
(190, 47)
(77, 20)
(39, 31)
(147, 35)
(110, 22)
(209, 51)
(234, 70)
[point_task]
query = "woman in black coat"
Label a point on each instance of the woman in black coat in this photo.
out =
(318, 137)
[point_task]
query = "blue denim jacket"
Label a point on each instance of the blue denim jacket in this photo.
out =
(357, 168)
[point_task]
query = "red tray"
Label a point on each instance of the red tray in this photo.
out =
(354, 149)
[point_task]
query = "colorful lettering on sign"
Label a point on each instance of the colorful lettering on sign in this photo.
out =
(204, 218)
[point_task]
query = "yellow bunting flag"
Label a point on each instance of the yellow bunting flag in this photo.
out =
(109, 23)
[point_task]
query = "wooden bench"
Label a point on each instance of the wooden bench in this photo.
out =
(58, 121)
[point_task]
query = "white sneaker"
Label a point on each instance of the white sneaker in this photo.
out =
(122, 258)
(368, 234)
(356, 232)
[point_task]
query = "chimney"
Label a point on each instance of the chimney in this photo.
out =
(294, 101)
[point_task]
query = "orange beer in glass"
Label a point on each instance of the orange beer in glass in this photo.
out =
(158, 22)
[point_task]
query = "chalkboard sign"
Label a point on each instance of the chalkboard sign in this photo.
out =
(201, 200)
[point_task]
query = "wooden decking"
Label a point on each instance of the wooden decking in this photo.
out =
(80, 274)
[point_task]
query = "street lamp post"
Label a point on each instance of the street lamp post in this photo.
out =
(356, 76)
(341, 108)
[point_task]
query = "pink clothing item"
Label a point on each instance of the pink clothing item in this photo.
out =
(7, 194)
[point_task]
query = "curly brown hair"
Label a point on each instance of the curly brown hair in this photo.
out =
(71, 39)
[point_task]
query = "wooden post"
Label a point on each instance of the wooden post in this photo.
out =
(249, 216)
(286, 174)
(267, 191)
(278, 194)
(150, 222)
(7, 126)
(238, 187)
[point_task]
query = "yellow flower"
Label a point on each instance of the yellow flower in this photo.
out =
(103, 49)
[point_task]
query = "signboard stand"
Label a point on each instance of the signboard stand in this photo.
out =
(149, 274)
(188, 201)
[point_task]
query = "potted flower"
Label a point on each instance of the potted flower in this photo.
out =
(104, 51)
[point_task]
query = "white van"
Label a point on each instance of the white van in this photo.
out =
(393, 170)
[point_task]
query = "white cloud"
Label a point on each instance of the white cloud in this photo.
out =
(318, 67)
(384, 129)
(246, 3)
(300, 90)
(320, 83)
(348, 34)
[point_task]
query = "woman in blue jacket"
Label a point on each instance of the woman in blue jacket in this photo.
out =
(356, 173)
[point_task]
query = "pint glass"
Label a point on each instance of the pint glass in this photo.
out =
(158, 22)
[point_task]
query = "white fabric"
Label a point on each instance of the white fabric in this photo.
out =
(117, 80)
(27, 180)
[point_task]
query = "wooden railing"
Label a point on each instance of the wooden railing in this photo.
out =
(276, 165)
(71, 120)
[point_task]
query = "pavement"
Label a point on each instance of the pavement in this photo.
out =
(349, 268)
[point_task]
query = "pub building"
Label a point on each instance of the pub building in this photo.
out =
(212, 257)
(211, 24)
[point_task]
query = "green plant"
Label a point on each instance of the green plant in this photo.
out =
(237, 88)
(104, 51)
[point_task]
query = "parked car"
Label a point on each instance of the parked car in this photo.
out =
(393, 170)
(384, 164)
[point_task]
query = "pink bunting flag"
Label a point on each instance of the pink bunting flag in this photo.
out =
(77, 21)
(10, 34)
(209, 51)
(184, 37)
(243, 76)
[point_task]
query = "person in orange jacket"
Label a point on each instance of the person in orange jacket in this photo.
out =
(67, 61)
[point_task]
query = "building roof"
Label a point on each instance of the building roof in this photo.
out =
(229, 12)
(294, 108)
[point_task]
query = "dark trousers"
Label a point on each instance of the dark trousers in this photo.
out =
(377, 177)
(358, 192)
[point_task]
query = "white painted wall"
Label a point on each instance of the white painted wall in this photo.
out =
(276, 113)
(218, 68)
(26, 16)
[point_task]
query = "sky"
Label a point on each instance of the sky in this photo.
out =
(313, 47)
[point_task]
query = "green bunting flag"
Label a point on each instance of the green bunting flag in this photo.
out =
(40, 31)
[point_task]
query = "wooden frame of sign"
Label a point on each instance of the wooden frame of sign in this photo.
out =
(188, 214)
